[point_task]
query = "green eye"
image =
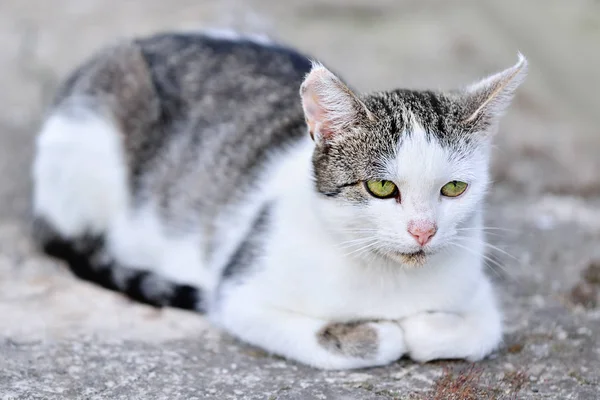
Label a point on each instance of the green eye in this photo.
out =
(454, 189)
(381, 189)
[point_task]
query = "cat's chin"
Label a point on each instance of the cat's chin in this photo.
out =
(414, 260)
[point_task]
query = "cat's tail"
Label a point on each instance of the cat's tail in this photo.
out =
(87, 259)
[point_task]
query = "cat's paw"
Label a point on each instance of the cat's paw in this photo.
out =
(368, 343)
(438, 335)
(422, 340)
(392, 344)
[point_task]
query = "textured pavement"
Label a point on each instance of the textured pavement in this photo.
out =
(61, 338)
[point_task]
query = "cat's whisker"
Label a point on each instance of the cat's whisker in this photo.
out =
(491, 246)
(355, 242)
(498, 249)
(499, 235)
(357, 239)
(495, 234)
(484, 255)
(486, 228)
(365, 255)
(365, 247)
(486, 258)
(362, 231)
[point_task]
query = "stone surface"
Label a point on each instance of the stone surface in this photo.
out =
(62, 338)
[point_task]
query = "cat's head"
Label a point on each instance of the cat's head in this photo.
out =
(400, 174)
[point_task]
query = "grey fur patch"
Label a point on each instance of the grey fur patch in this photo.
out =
(228, 106)
(355, 339)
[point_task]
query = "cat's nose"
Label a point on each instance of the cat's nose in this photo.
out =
(422, 231)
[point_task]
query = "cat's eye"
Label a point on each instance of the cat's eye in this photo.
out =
(454, 188)
(382, 189)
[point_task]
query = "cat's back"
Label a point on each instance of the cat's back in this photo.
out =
(160, 119)
(172, 81)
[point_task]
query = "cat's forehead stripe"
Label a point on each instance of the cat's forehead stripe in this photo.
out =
(399, 111)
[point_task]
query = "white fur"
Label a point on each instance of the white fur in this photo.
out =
(79, 173)
(307, 279)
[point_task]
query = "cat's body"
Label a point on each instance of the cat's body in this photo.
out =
(178, 169)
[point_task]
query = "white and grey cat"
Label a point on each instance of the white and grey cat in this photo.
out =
(234, 177)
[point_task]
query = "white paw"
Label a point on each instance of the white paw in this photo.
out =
(392, 345)
(419, 338)
(433, 336)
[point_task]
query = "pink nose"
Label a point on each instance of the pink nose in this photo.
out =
(422, 231)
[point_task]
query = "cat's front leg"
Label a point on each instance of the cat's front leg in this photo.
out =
(318, 343)
(470, 335)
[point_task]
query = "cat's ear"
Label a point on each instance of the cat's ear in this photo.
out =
(330, 107)
(484, 102)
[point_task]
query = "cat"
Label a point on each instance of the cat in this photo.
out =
(239, 178)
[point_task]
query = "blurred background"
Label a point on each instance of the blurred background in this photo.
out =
(546, 165)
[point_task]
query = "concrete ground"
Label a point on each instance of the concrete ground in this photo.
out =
(61, 338)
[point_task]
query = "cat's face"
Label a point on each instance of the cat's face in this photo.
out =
(401, 174)
(401, 196)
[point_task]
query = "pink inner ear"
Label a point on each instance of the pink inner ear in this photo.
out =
(312, 109)
(316, 115)
(329, 106)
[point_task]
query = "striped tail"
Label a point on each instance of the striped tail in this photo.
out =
(86, 258)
